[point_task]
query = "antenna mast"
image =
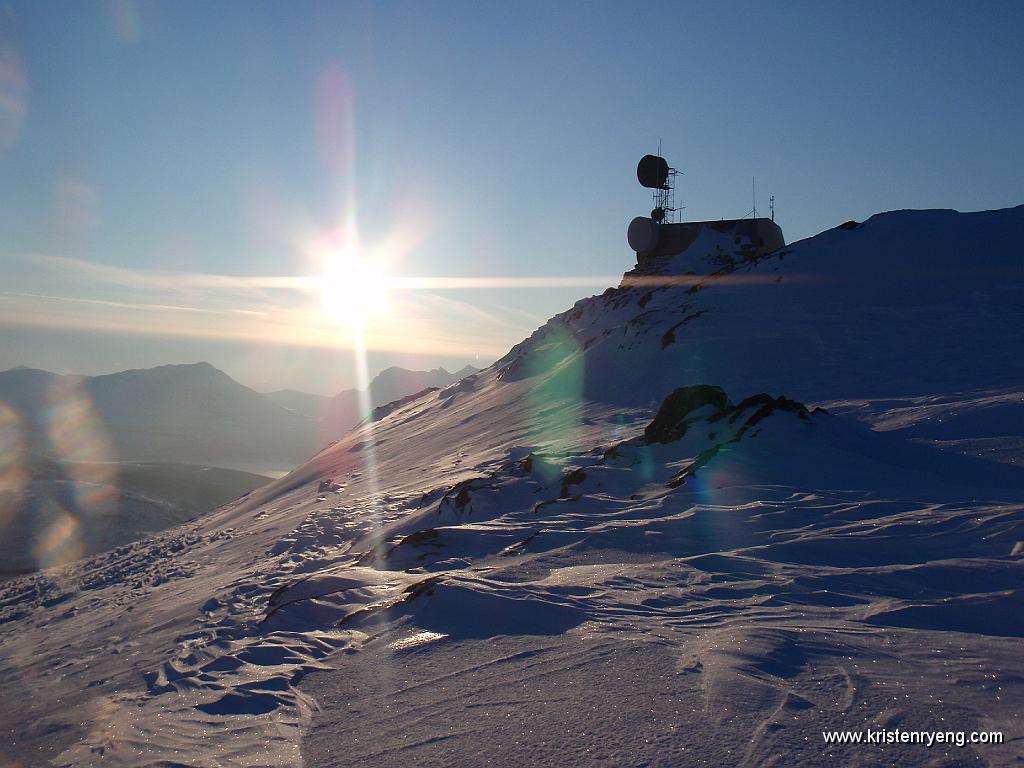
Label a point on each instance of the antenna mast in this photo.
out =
(664, 191)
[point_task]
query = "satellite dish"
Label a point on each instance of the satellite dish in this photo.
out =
(652, 171)
(642, 234)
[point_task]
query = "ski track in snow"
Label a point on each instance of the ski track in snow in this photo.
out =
(510, 572)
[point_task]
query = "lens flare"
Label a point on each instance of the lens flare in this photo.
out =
(126, 20)
(13, 96)
(13, 472)
(86, 496)
(334, 121)
(60, 542)
(556, 369)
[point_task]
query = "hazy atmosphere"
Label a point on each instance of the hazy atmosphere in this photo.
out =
(522, 385)
(178, 179)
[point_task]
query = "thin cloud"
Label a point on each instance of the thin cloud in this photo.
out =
(292, 330)
(281, 309)
(130, 305)
(123, 276)
(456, 283)
(287, 309)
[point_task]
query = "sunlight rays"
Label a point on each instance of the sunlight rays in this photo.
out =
(441, 315)
(353, 287)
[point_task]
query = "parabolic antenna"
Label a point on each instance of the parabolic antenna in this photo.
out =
(652, 171)
(642, 233)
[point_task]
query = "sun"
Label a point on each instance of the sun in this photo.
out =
(353, 286)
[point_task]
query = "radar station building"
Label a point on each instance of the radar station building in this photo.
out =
(653, 236)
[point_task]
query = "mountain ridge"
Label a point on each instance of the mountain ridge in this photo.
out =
(194, 412)
(345, 410)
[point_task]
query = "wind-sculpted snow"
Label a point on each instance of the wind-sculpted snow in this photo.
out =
(634, 540)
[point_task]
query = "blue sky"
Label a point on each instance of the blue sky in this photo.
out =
(159, 161)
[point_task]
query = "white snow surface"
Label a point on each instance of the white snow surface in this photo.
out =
(510, 573)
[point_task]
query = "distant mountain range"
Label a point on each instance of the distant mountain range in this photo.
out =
(334, 416)
(188, 413)
(110, 459)
(305, 403)
(344, 410)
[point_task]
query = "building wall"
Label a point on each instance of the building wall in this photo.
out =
(758, 236)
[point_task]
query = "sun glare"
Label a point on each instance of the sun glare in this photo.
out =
(353, 286)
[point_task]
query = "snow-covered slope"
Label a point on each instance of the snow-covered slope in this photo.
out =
(622, 544)
(343, 411)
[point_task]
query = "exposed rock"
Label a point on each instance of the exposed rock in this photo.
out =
(671, 421)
